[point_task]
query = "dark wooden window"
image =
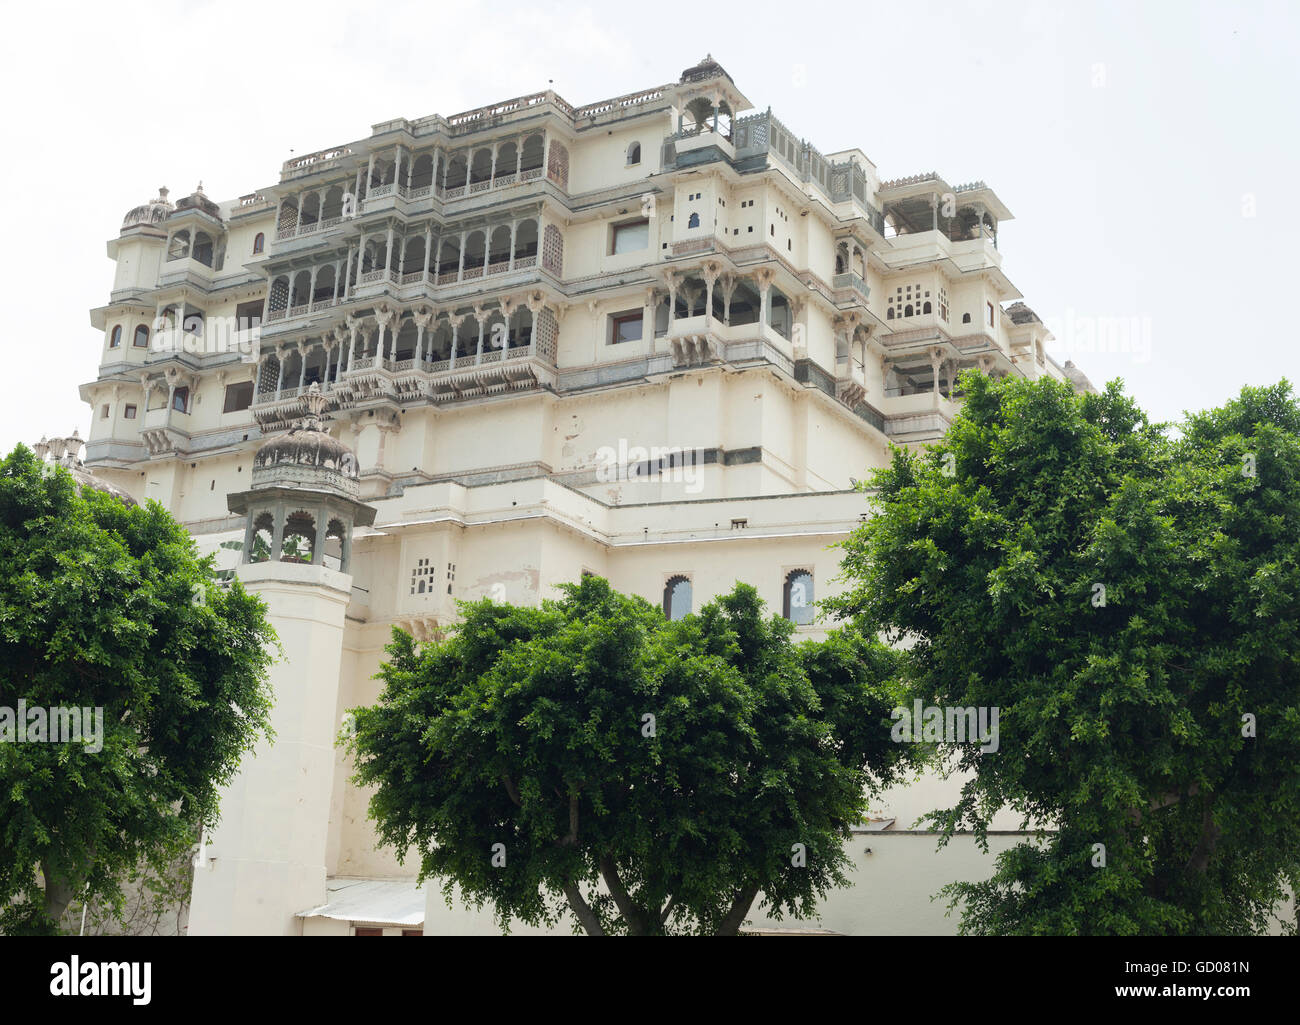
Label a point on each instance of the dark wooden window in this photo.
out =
(625, 327)
(238, 396)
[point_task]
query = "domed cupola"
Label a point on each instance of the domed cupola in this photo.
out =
(307, 456)
(707, 99)
(303, 503)
(705, 70)
(153, 212)
(198, 200)
(65, 452)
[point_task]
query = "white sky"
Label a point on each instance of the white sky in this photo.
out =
(1131, 140)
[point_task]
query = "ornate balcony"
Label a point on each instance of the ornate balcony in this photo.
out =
(403, 381)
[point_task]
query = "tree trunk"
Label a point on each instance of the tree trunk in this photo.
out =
(739, 912)
(58, 893)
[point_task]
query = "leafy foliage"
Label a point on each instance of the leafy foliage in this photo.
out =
(527, 728)
(1121, 710)
(98, 610)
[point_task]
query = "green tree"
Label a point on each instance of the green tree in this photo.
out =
(1129, 598)
(107, 606)
(651, 777)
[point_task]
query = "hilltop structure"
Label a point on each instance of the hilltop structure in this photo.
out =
(653, 338)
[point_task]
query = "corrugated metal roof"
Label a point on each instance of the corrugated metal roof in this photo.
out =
(382, 901)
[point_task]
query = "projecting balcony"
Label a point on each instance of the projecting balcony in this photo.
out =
(273, 408)
(186, 268)
(700, 339)
(401, 381)
(311, 228)
(850, 288)
(165, 431)
(974, 254)
(688, 142)
(500, 272)
(493, 372)
(383, 197)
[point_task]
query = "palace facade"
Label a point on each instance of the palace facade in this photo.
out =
(654, 338)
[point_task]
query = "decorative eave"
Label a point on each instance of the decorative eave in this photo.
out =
(363, 514)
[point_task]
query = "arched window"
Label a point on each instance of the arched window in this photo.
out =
(141, 339)
(299, 538)
(965, 318)
(259, 242)
(925, 308)
(115, 339)
(694, 222)
(263, 537)
(797, 597)
(677, 597)
(907, 310)
(634, 153)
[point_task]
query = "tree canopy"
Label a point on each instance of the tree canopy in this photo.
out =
(650, 777)
(1129, 597)
(105, 606)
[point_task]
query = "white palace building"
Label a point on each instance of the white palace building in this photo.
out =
(654, 338)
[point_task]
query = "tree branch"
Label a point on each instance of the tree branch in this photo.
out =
(511, 789)
(1210, 833)
(572, 839)
(587, 918)
(1173, 797)
(667, 910)
(638, 920)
